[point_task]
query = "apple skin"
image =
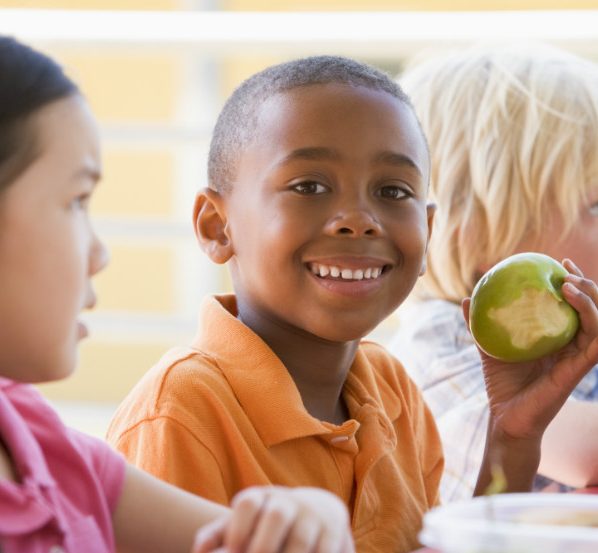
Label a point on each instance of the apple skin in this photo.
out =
(517, 311)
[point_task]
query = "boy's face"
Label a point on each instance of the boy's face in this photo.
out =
(327, 218)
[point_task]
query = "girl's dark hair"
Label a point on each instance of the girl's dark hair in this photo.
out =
(28, 81)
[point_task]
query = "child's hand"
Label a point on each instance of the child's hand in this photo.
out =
(280, 520)
(524, 397)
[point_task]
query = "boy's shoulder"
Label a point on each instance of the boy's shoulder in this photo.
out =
(179, 368)
(172, 388)
(384, 362)
(390, 375)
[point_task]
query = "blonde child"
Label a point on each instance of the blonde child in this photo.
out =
(60, 490)
(318, 178)
(513, 136)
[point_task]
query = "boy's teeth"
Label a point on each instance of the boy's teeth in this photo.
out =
(345, 274)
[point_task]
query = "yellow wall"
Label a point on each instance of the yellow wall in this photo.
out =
(107, 370)
(126, 86)
(137, 183)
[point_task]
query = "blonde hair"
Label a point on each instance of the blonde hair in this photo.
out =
(511, 133)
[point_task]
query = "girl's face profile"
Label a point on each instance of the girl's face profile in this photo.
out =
(48, 250)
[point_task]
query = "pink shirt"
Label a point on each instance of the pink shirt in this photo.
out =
(69, 483)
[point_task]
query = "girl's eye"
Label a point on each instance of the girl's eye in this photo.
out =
(309, 188)
(393, 192)
(81, 202)
(594, 210)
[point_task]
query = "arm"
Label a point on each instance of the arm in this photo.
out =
(154, 517)
(525, 397)
(574, 429)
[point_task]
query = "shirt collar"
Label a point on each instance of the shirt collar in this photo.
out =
(261, 382)
(17, 435)
(22, 505)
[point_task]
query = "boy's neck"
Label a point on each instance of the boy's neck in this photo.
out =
(318, 367)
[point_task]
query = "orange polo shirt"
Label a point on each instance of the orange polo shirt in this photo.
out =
(225, 414)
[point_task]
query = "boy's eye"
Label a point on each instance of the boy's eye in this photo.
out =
(393, 192)
(309, 187)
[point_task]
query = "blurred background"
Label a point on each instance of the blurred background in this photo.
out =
(156, 73)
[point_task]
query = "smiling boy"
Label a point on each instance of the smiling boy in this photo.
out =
(318, 177)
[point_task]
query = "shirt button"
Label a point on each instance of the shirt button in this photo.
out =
(339, 439)
(56, 549)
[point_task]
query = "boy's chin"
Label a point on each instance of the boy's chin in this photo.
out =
(345, 334)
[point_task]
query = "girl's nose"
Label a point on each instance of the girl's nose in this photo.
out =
(99, 256)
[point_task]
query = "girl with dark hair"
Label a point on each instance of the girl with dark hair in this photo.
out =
(61, 490)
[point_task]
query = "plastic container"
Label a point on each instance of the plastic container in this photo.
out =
(515, 523)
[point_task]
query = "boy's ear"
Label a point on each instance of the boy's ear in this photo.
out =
(209, 221)
(430, 211)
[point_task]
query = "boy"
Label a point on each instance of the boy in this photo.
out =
(318, 177)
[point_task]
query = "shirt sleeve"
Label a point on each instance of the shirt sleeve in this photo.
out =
(167, 449)
(108, 465)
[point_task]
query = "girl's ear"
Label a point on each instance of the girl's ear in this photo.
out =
(209, 219)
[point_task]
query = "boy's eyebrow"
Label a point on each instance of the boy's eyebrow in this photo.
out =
(311, 153)
(317, 153)
(400, 160)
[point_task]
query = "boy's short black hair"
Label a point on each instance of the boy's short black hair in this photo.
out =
(237, 121)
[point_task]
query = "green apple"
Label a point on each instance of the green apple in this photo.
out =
(517, 310)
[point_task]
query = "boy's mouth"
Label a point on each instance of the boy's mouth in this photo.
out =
(337, 272)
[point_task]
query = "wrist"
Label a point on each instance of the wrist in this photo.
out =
(514, 460)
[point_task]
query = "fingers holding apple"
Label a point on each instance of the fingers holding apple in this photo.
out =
(582, 294)
(576, 277)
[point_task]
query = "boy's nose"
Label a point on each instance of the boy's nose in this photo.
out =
(355, 223)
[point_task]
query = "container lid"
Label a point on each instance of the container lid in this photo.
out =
(512, 523)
